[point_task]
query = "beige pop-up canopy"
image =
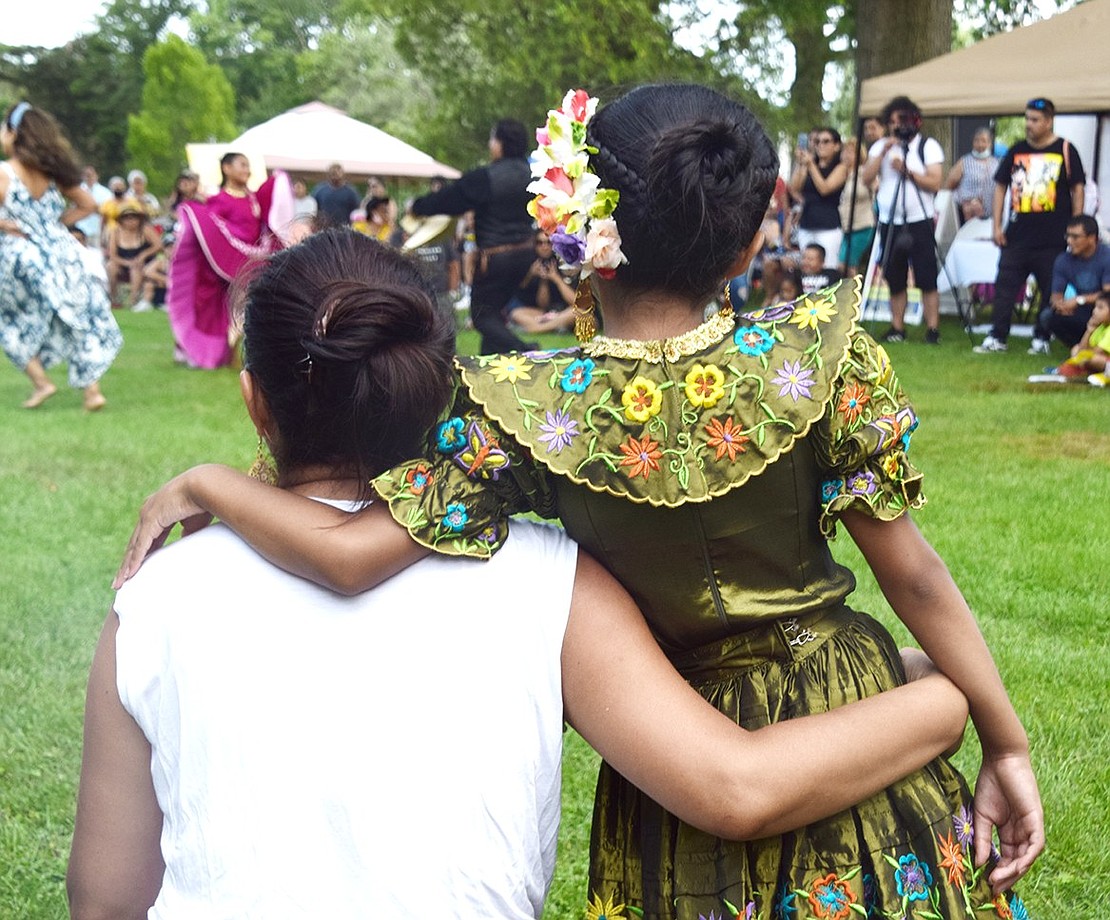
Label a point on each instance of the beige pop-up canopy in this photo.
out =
(309, 138)
(1062, 58)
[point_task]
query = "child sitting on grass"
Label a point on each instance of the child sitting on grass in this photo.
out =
(1089, 357)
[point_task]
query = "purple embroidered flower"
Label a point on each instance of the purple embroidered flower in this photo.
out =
(770, 314)
(751, 340)
(449, 435)
(481, 456)
(578, 375)
(913, 878)
(490, 535)
(749, 911)
(830, 489)
(456, 517)
(558, 431)
(794, 381)
(568, 247)
(862, 483)
(964, 825)
(712, 916)
(870, 894)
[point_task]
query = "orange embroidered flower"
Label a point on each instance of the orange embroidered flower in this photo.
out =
(953, 858)
(831, 898)
(642, 454)
(852, 401)
(1002, 908)
(726, 437)
(419, 478)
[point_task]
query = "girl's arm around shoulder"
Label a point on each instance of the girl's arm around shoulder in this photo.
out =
(344, 552)
(626, 699)
(115, 864)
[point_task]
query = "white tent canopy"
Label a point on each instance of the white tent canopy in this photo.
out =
(998, 75)
(309, 138)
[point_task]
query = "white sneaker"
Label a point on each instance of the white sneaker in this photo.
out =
(143, 306)
(1038, 346)
(990, 346)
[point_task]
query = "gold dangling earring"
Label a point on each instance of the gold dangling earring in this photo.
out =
(584, 324)
(726, 306)
(263, 468)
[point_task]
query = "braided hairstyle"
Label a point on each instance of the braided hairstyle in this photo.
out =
(695, 171)
(41, 144)
(346, 341)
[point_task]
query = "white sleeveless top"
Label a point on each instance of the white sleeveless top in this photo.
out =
(391, 755)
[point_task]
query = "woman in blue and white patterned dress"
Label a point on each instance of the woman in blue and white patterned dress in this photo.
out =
(52, 308)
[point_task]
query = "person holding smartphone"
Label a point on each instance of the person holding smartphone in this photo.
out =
(543, 302)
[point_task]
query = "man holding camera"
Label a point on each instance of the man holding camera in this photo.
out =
(1045, 179)
(909, 167)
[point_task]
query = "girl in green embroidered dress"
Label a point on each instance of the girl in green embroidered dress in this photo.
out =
(706, 463)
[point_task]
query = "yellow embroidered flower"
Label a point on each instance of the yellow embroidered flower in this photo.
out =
(510, 368)
(811, 312)
(641, 399)
(705, 385)
(892, 467)
(884, 370)
(598, 909)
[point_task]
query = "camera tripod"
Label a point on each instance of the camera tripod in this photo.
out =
(898, 235)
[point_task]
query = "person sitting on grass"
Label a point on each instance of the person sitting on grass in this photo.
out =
(543, 302)
(267, 750)
(1088, 357)
(816, 275)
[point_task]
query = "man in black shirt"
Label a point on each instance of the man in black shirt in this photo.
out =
(1045, 180)
(498, 195)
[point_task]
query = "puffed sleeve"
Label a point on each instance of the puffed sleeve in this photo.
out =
(863, 440)
(457, 499)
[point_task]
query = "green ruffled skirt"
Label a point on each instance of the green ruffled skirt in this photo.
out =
(903, 853)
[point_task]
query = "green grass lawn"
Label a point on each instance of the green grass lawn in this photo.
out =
(1016, 479)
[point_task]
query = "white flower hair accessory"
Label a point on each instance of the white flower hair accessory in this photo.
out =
(570, 206)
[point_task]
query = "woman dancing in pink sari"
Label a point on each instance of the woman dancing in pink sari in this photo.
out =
(216, 240)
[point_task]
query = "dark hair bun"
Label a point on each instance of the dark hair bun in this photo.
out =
(354, 355)
(699, 165)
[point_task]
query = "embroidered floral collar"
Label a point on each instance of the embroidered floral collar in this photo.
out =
(655, 351)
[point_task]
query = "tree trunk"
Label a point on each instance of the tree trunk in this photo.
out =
(893, 35)
(811, 57)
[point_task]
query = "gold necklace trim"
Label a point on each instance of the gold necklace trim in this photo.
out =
(655, 351)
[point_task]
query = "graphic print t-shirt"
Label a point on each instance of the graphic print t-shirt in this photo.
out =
(1040, 187)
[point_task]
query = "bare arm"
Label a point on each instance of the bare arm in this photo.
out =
(798, 176)
(626, 699)
(115, 864)
(833, 182)
(82, 204)
(873, 164)
(997, 204)
(928, 181)
(343, 552)
(955, 174)
(919, 588)
(1078, 198)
